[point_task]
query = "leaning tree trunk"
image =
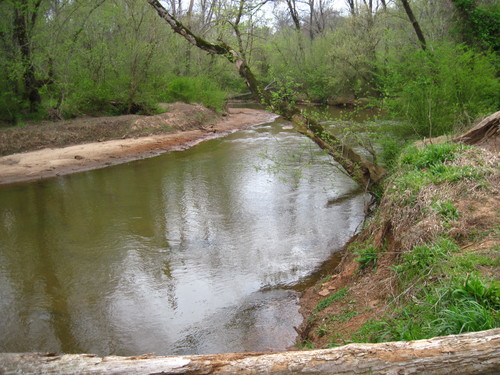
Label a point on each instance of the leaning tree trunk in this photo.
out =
(415, 24)
(360, 169)
(472, 353)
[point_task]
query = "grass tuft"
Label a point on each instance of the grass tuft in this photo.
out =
(367, 257)
(337, 296)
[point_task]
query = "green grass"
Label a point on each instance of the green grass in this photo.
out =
(366, 257)
(337, 296)
(424, 260)
(305, 344)
(322, 330)
(446, 210)
(413, 158)
(344, 316)
(469, 262)
(442, 290)
(437, 298)
(432, 165)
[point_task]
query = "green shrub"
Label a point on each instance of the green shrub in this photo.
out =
(391, 148)
(440, 91)
(11, 107)
(478, 23)
(195, 90)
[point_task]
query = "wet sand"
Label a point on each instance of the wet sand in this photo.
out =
(51, 162)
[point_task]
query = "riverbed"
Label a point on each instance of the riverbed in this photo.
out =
(190, 252)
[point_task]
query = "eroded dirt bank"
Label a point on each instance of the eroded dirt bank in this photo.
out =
(182, 127)
(435, 230)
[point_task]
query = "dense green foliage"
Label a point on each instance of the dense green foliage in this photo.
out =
(440, 91)
(64, 58)
(94, 57)
(479, 23)
(195, 90)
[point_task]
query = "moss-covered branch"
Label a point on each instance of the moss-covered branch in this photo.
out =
(360, 169)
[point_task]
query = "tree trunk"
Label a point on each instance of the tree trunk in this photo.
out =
(292, 9)
(23, 25)
(415, 24)
(360, 169)
(352, 6)
(471, 353)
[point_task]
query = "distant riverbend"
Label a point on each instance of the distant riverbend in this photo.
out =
(139, 137)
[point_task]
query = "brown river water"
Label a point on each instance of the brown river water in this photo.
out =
(190, 252)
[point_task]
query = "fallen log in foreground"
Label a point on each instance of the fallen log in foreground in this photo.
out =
(471, 353)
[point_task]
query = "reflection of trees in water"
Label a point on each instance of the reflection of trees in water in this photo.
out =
(45, 246)
(172, 299)
(183, 236)
(30, 258)
(146, 230)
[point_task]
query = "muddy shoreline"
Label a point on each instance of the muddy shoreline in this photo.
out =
(52, 162)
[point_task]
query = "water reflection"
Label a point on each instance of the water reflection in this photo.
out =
(183, 253)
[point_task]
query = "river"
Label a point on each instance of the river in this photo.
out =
(190, 252)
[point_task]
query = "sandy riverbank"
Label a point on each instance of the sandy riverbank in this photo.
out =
(51, 162)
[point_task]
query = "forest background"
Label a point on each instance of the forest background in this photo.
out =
(66, 58)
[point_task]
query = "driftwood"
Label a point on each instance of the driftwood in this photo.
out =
(472, 353)
(482, 132)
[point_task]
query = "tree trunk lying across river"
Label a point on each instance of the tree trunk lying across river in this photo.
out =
(471, 353)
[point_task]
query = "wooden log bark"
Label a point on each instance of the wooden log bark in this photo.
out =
(482, 131)
(471, 353)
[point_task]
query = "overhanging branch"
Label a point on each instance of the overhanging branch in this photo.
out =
(360, 169)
